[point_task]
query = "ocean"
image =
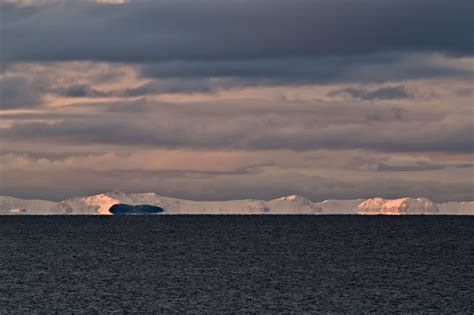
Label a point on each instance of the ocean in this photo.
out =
(216, 264)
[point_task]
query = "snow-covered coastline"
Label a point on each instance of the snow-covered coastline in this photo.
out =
(100, 205)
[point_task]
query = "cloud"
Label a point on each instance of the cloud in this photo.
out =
(256, 91)
(212, 77)
(368, 68)
(465, 92)
(77, 91)
(418, 167)
(187, 161)
(81, 90)
(384, 93)
(260, 125)
(375, 163)
(58, 171)
(153, 31)
(59, 184)
(17, 91)
(100, 80)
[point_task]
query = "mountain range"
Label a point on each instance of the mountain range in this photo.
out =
(100, 205)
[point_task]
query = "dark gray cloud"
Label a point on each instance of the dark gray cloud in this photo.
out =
(418, 167)
(177, 86)
(211, 77)
(187, 46)
(369, 68)
(384, 93)
(395, 113)
(154, 87)
(78, 90)
(18, 91)
(376, 165)
(81, 90)
(149, 31)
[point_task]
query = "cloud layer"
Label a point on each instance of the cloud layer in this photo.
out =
(259, 125)
(216, 99)
(141, 30)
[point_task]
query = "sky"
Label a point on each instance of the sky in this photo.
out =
(214, 100)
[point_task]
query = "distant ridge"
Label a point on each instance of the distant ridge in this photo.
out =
(397, 206)
(100, 205)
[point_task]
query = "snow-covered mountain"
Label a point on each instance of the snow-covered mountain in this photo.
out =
(100, 205)
(397, 206)
(10, 205)
(456, 208)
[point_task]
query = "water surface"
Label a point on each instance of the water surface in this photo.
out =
(236, 263)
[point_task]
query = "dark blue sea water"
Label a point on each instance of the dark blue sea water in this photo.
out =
(237, 263)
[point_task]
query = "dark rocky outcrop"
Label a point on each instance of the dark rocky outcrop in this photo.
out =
(122, 209)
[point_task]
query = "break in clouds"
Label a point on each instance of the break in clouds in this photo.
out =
(219, 100)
